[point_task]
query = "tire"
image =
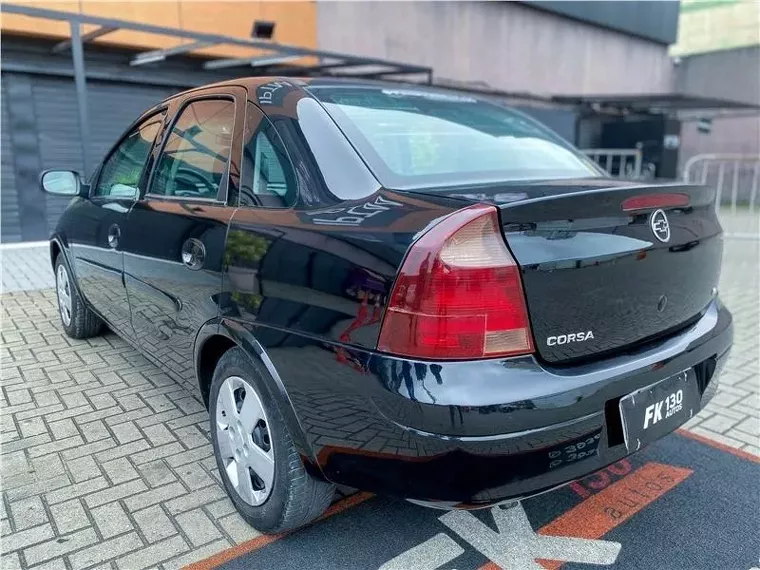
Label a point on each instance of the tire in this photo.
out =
(285, 498)
(82, 322)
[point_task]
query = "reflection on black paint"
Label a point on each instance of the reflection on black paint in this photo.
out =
(394, 373)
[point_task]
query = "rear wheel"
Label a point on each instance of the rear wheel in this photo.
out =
(260, 467)
(77, 319)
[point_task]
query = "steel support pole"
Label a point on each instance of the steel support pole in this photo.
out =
(77, 55)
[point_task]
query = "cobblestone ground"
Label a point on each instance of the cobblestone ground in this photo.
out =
(733, 415)
(106, 461)
(26, 267)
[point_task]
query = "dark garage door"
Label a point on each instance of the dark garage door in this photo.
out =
(40, 129)
(10, 223)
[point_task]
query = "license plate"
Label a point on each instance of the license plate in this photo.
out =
(654, 411)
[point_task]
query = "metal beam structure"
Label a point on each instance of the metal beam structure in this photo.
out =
(275, 54)
(655, 102)
(284, 49)
(65, 45)
(263, 61)
(307, 70)
(161, 54)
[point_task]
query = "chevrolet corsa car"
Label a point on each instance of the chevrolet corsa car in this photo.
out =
(398, 289)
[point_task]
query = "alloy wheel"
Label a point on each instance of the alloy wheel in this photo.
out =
(245, 446)
(63, 288)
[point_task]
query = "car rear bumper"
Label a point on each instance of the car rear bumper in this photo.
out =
(468, 434)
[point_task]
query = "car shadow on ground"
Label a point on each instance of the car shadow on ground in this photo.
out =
(680, 504)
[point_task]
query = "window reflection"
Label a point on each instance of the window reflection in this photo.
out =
(122, 170)
(196, 155)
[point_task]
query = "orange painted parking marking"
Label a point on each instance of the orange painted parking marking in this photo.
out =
(722, 446)
(254, 544)
(602, 512)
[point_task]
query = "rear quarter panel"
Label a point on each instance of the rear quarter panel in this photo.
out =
(322, 272)
(304, 288)
(325, 266)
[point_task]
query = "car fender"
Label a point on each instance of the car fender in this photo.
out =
(243, 338)
(61, 242)
(64, 248)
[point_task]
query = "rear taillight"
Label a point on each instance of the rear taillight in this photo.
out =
(458, 294)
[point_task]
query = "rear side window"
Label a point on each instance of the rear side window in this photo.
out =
(123, 168)
(269, 179)
(413, 137)
(195, 158)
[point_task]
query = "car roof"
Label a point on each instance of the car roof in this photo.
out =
(304, 83)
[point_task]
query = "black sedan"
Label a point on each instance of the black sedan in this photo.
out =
(399, 289)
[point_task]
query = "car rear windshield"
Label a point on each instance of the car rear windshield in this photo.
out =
(413, 138)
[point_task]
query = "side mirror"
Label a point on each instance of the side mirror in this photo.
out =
(63, 183)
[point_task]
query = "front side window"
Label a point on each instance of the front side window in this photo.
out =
(270, 180)
(413, 137)
(123, 168)
(195, 159)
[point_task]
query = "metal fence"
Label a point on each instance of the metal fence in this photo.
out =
(620, 162)
(735, 177)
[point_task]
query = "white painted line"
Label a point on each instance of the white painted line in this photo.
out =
(741, 235)
(23, 245)
(516, 546)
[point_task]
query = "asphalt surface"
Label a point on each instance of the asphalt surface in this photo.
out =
(678, 505)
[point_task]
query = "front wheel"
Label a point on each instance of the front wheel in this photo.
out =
(260, 466)
(77, 319)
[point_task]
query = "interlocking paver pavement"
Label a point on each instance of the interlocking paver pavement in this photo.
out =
(25, 267)
(733, 416)
(106, 461)
(88, 476)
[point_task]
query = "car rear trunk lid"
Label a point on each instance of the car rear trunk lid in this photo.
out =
(598, 279)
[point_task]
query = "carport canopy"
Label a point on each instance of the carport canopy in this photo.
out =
(267, 57)
(654, 103)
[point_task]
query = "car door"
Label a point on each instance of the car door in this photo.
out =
(96, 240)
(174, 246)
(259, 244)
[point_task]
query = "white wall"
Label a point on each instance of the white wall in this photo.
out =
(506, 44)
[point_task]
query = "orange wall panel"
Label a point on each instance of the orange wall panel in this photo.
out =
(35, 26)
(295, 21)
(156, 13)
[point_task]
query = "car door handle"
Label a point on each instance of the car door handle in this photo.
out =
(114, 233)
(193, 254)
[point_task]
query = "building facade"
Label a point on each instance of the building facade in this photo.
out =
(295, 21)
(707, 26)
(718, 54)
(730, 74)
(535, 47)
